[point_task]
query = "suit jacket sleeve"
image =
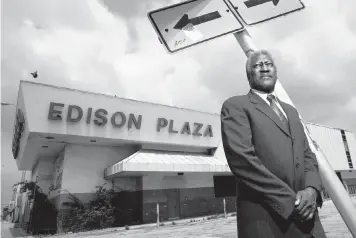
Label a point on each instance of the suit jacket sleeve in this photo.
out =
(246, 166)
(312, 176)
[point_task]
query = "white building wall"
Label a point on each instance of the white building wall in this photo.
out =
(83, 167)
(57, 169)
(25, 133)
(45, 173)
(42, 173)
(38, 98)
(330, 142)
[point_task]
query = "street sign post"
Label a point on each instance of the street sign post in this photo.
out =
(253, 12)
(187, 24)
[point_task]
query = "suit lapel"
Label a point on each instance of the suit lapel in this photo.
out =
(263, 107)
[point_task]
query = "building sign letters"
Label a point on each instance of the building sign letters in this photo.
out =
(101, 117)
(18, 130)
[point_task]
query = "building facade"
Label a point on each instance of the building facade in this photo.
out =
(72, 141)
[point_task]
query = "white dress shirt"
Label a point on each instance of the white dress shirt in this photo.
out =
(263, 95)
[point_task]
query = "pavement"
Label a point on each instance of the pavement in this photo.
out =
(221, 227)
(8, 231)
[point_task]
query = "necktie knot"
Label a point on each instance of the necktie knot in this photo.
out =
(271, 98)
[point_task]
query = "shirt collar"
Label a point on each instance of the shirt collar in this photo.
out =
(263, 94)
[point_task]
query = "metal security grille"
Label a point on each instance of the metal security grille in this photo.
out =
(347, 150)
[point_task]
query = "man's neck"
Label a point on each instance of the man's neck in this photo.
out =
(261, 92)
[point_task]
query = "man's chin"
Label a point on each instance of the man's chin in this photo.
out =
(269, 87)
(265, 88)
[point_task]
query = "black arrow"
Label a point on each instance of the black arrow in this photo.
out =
(253, 3)
(196, 20)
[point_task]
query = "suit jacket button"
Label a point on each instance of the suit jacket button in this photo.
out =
(297, 165)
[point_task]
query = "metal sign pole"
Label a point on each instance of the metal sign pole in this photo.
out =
(331, 182)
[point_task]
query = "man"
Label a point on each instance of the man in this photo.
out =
(277, 178)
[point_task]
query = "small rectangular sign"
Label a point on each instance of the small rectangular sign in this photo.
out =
(257, 11)
(186, 24)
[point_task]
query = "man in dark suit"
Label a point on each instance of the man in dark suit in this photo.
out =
(277, 178)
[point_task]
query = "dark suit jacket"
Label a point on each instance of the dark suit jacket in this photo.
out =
(271, 164)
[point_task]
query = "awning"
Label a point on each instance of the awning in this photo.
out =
(161, 161)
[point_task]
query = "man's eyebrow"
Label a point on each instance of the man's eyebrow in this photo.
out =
(260, 62)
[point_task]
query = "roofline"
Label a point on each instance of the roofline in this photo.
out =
(111, 96)
(335, 128)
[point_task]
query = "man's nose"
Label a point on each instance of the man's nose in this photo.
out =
(264, 68)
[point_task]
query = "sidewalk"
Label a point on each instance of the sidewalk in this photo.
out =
(150, 226)
(8, 231)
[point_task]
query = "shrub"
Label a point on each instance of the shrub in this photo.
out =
(101, 212)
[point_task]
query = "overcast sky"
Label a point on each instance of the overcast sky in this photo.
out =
(110, 47)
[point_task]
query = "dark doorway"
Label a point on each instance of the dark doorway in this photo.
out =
(173, 202)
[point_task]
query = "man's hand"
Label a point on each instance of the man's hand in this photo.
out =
(305, 204)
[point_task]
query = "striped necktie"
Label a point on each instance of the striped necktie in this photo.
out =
(273, 104)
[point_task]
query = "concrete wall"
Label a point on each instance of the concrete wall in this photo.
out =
(43, 173)
(25, 134)
(83, 168)
(189, 195)
(57, 171)
(154, 186)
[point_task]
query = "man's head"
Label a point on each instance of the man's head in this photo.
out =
(261, 71)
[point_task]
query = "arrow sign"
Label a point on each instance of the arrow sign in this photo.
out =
(177, 25)
(184, 21)
(253, 3)
(254, 12)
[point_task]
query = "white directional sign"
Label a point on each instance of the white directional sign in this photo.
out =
(192, 22)
(257, 11)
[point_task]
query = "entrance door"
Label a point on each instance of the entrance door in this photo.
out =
(173, 202)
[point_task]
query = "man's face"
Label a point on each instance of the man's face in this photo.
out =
(263, 74)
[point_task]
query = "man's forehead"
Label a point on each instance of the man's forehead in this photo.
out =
(262, 57)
